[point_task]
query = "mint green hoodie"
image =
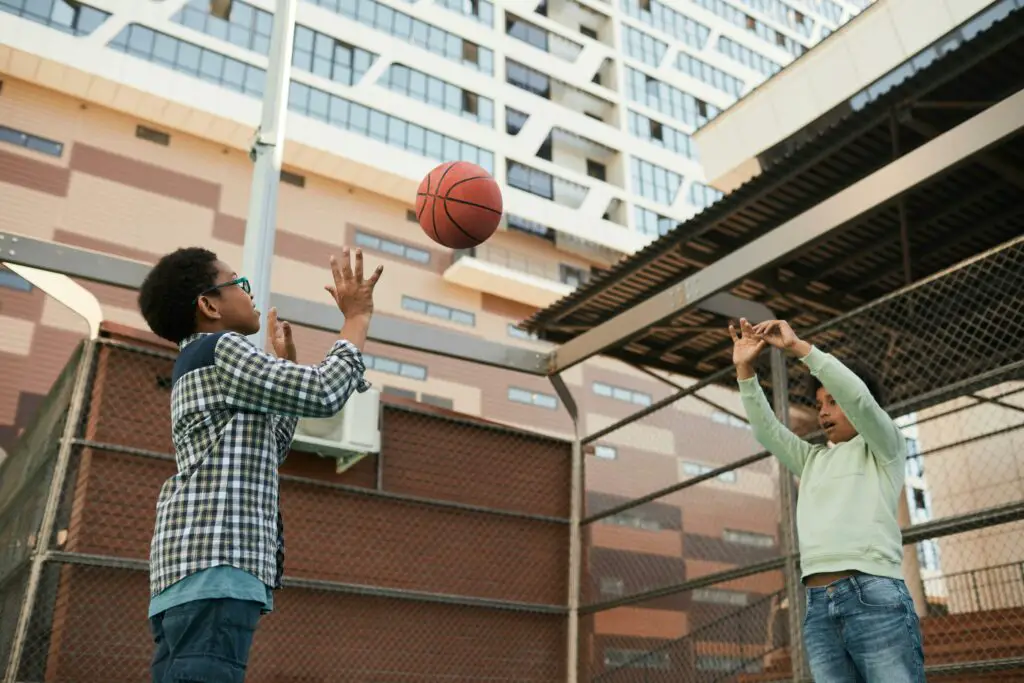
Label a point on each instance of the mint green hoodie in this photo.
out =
(849, 493)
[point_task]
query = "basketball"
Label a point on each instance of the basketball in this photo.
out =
(458, 205)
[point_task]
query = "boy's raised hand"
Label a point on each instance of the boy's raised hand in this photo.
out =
(352, 292)
(281, 337)
(746, 346)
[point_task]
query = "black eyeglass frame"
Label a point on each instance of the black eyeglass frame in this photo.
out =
(242, 282)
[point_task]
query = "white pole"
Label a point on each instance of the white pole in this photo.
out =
(267, 150)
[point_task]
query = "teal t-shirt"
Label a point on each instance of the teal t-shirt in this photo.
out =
(223, 581)
(849, 493)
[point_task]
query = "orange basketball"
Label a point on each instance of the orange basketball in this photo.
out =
(459, 205)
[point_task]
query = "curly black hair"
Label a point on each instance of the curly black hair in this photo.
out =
(865, 375)
(168, 294)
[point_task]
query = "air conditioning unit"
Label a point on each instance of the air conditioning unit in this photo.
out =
(348, 436)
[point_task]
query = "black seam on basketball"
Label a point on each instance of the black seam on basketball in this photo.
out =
(469, 203)
(456, 223)
(433, 208)
(419, 216)
(466, 180)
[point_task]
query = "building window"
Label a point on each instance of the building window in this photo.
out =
(517, 333)
(514, 121)
(643, 46)
(670, 22)
(726, 663)
(650, 223)
(439, 401)
(528, 179)
(636, 659)
(327, 57)
(528, 79)
(392, 248)
(606, 452)
(439, 311)
(293, 179)
(11, 280)
(915, 463)
(184, 57)
(748, 538)
(661, 135)
(572, 276)
(481, 10)
(633, 520)
(525, 31)
(440, 94)
(669, 100)
(410, 30)
(619, 394)
(928, 555)
(150, 135)
(703, 71)
(655, 182)
(747, 57)
(596, 169)
(612, 587)
(394, 367)
(391, 130)
(696, 469)
(588, 32)
(32, 142)
(727, 419)
(247, 26)
(703, 196)
(62, 15)
(532, 398)
(721, 596)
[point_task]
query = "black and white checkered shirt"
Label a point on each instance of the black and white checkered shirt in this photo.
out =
(234, 410)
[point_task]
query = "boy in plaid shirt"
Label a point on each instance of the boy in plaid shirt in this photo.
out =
(218, 549)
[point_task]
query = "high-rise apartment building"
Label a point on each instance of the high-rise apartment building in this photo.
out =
(125, 127)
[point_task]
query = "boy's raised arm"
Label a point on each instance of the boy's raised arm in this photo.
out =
(258, 382)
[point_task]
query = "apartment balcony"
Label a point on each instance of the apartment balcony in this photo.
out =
(512, 275)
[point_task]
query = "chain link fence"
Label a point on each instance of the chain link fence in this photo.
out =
(443, 559)
(686, 575)
(447, 557)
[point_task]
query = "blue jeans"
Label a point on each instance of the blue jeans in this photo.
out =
(204, 641)
(863, 629)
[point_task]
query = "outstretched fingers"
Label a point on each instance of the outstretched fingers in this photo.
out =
(375, 275)
(734, 333)
(359, 265)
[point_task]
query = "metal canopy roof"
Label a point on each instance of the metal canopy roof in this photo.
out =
(972, 207)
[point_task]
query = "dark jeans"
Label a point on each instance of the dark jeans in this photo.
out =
(863, 629)
(204, 641)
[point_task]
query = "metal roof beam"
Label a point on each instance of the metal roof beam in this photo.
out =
(938, 155)
(385, 329)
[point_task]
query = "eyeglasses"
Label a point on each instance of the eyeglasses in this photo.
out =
(242, 282)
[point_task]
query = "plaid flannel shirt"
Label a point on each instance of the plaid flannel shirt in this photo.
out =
(234, 410)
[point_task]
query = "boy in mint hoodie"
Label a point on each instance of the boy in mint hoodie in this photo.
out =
(861, 626)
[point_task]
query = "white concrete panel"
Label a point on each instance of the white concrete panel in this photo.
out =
(880, 39)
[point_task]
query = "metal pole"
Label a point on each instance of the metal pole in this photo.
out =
(40, 552)
(576, 488)
(787, 504)
(267, 151)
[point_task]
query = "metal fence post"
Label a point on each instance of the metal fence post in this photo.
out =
(41, 551)
(575, 532)
(787, 503)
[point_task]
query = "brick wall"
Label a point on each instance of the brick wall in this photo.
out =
(339, 529)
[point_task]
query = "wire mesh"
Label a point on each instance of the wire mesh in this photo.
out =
(949, 354)
(713, 633)
(443, 559)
